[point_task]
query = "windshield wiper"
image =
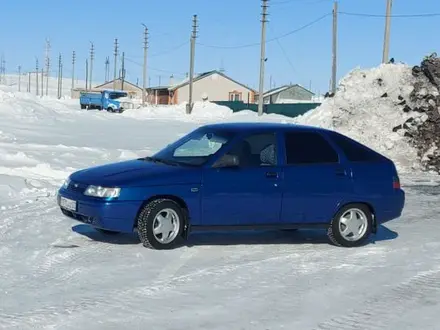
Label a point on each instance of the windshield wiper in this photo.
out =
(160, 160)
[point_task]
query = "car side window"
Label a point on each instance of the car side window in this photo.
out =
(353, 150)
(308, 148)
(256, 150)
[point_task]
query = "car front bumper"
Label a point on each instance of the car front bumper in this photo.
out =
(119, 216)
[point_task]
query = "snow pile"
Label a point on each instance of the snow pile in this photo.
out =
(368, 105)
(423, 127)
(201, 111)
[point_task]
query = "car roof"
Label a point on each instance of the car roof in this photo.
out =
(258, 126)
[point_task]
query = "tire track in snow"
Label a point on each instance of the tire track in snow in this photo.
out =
(133, 295)
(381, 310)
(11, 216)
(49, 268)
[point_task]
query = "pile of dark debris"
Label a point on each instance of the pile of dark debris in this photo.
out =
(422, 127)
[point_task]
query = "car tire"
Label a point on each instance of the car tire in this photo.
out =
(360, 227)
(150, 217)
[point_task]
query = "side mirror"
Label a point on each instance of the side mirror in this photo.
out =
(227, 161)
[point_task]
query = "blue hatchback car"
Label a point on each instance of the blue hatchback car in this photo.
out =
(236, 176)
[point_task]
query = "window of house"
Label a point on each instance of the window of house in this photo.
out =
(308, 148)
(234, 96)
(256, 150)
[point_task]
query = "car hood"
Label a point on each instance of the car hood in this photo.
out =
(137, 173)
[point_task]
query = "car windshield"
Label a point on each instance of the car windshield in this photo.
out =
(194, 149)
(115, 95)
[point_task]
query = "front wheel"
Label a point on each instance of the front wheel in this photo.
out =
(351, 226)
(160, 224)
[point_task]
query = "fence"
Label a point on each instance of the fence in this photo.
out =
(286, 109)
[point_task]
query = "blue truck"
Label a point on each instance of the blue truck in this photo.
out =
(112, 101)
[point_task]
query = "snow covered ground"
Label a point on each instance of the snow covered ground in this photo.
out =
(59, 274)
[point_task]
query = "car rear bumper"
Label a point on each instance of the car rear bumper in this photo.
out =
(119, 216)
(394, 207)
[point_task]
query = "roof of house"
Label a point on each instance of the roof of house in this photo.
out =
(283, 88)
(158, 87)
(111, 82)
(204, 75)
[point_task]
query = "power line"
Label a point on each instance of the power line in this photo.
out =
(161, 53)
(170, 50)
(286, 56)
(307, 2)
(396, 16)
(154, 69)
(272, 39)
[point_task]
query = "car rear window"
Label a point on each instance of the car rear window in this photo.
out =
(309, 148)
(354, 151)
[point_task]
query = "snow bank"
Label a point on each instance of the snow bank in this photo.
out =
(365, 107)
(201, 111)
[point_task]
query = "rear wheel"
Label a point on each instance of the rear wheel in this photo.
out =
(351, 226)
(160, 224)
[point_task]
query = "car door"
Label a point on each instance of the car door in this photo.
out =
(248, 194)
(316, 181)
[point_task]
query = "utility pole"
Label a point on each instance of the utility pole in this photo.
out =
(334, 46)
(29, 82)
(42, 79)
(116, 63)
(92, 56)
(36, 74)
(144, 75)
(262, 56)
(189, 106)
(123, 71)
(19, 78)
(73, 69)
(59, 77)
(386, 41)
(47, 65)
(2, 70)
(87, 74)
(107, 69)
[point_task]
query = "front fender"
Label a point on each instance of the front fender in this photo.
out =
(188, 193)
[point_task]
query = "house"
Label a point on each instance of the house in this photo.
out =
(210, 86)
(133, 90)
(159, 95)
(288, 94)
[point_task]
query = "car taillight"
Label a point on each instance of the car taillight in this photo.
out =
(396, 183)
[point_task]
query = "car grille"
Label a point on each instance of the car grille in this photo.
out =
(127, 105)
(80, 217)
(77, 187)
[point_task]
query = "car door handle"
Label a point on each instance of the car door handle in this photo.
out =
(271, 175)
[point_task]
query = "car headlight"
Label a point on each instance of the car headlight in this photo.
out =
(66, 183)
(103, 192)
